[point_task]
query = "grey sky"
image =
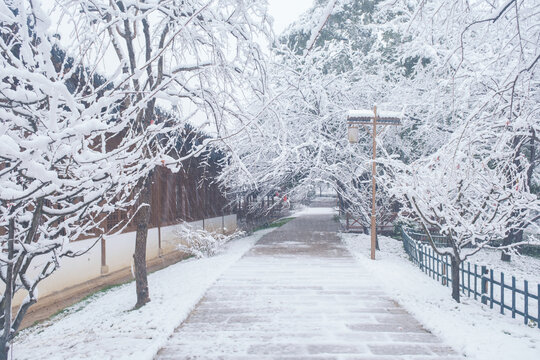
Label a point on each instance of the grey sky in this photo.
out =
(285, 12)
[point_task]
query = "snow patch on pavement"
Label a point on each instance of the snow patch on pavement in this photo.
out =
(470, 327)
(315, 211)
(107, 327)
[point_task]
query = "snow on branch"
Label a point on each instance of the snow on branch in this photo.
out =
(323, 19)
(202, 243)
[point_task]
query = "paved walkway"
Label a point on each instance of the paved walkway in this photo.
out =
(299, 294)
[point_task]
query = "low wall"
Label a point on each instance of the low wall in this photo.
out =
(116, 253)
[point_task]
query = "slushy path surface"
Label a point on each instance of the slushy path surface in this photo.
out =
(299, 294)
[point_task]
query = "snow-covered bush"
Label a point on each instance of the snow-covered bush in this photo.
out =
(202, 243)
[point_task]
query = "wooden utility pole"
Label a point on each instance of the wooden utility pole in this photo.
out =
(363, 117)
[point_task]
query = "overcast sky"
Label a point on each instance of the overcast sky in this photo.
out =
(286, 11)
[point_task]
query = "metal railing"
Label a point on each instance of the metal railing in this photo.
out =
(477, 282)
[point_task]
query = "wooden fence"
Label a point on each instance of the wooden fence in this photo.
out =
(478, 282)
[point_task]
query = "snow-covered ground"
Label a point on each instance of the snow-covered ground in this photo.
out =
(314, 211)
(105, 326)
(471, 328)
(522, 267)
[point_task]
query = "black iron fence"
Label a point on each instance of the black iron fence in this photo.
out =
(504, 293)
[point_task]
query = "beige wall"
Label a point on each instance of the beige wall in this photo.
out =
(119, 251)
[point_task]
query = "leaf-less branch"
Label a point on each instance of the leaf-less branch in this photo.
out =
(425, 221)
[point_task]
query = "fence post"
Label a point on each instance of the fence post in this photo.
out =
(526, 307)
(491, 288)
(462, 268)
(448, 271)
(443, 272)
(417, 251)
(429, 262)
(513, 297)
(502, 292)
(104, 267)
(420, 256)
(468, 279)
(475, 281)
(438, 267)
(484, 285)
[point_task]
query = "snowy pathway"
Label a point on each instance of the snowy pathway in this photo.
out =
(300, 294)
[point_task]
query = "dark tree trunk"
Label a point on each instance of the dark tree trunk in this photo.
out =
(8, 295)
(455, 278)
(143, 218)
(505, 255)
(139, 257)
(513, 237)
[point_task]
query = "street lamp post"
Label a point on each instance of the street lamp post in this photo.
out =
(370, 117)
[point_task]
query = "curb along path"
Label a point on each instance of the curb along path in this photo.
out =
(299, 294)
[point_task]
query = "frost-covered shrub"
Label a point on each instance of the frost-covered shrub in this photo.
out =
(202, 243)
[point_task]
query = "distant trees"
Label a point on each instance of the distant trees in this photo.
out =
(322, 68)
(300, 129)
(303, 132)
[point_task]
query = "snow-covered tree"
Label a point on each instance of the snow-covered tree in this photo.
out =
(198, 59)
(61, 171)
(323, 68)
(76, 145)
(303, 129)
(470, 61)
(469, 191)
(304, 133)
(474, 91)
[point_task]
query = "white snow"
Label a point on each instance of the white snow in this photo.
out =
(368, 113)
(315, 211)
(390, 114)
(106, 327)
(364, 113)
(479, 332)
(522, 267)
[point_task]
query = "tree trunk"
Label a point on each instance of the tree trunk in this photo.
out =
(517, 236)
(139, 257)
(8, 295)
(505, 255)
(455, 278)
(512, 238)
